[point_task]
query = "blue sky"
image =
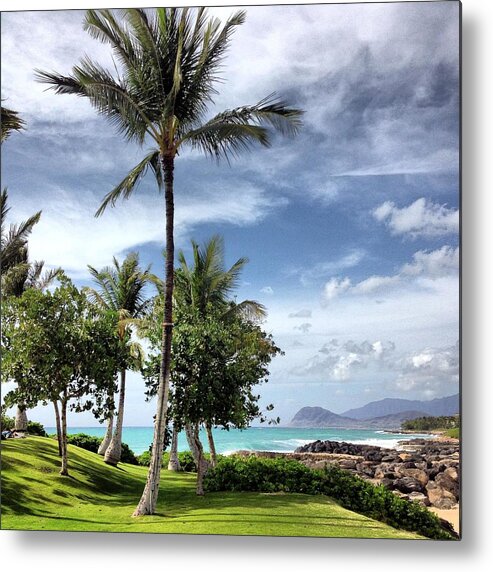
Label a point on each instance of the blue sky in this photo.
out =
(351, 228)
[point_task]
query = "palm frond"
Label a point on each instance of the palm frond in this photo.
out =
(126, 187)
(236, 130)
(9, 122)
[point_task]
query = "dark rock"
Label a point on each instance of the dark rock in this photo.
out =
(408, 485)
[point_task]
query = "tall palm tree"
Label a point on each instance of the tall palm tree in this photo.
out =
(169, 62)
(208, 284)
(9, 122)
(121, 289)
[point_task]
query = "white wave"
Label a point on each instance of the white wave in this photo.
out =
(293, 442)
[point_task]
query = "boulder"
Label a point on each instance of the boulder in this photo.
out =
(408, 485)
(440, 497)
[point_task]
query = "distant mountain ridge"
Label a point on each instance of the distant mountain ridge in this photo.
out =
(384, 414)
(389, 406)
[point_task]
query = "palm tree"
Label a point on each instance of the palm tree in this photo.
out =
(121, 289)
(207, 284)
(9, 122)
(169, 64)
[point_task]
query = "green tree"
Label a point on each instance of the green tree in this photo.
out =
(169, 63)
(216, 365)
(121, 289)
(58, 347)
(206, 285)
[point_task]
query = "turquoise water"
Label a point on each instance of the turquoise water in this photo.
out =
(283, 439)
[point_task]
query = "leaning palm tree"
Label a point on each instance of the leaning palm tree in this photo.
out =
(169, 63)
(13, 243)
(17, 272)
(121, 289)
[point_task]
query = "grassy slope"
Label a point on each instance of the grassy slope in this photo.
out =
(97, 497)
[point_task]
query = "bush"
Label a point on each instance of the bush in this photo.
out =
(91, 443)
(6, 423)
(187, 462)
(35, 428)
(351, 492)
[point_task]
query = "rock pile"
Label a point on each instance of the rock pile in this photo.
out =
(426, 471)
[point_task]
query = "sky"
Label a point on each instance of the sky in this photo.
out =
(351, 228)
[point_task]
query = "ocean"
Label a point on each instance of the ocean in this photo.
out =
(281, 439)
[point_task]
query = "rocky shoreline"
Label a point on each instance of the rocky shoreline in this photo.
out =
(422, 470)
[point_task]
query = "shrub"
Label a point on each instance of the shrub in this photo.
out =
(351, 492)
(187, 462)
(6, 423)
(91, 443)
(35, 428)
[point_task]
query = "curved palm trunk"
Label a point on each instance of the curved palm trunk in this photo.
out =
(58, 428)
(212, 446)
(21, 418)
(174, 462)
(114, 451)
(107, 436)
(147, 503)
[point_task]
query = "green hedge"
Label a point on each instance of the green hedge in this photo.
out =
(187, 462)
(351, 492)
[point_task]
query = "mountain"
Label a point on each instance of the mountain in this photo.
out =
(319, 417)
(441, 406)
(383, 414)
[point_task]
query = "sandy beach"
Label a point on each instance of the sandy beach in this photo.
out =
(451, 515)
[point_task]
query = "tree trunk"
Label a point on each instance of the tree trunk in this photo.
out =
(174, 462)
(58, 428)
(212, 446)
(114, 451)
(64, 469)
(147, 503)
(192, 443)
(107, 436)
(202, 464)
(21, 418)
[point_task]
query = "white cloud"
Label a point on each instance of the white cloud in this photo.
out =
(340, 361)
(320, 270)
(432, 371)
(425, 268)
(301, 314)
(434, 264)
(421, 218)
(336, 286)
(305, 327)
(69, 236)
(267, 290)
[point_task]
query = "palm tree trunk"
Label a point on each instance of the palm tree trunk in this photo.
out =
(58, 428)
(147, 503)
(114, 451)
(64, 469)
(21, 418)
(174, 462)
(107, 436)
(212, 446)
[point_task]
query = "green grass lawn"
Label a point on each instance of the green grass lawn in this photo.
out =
(97, 497)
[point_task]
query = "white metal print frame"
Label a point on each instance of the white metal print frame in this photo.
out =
(230, 270)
